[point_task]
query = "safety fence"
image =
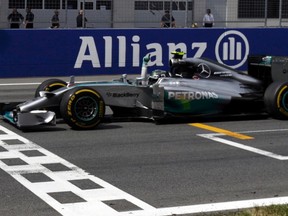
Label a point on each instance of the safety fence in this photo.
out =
(148, 14)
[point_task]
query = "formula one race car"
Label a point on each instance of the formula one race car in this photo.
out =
(192, 87)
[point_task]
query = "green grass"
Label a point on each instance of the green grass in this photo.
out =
(273, 210)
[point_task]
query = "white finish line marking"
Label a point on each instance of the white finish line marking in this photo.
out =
(16, 162)
(92, 201)
(215, 137)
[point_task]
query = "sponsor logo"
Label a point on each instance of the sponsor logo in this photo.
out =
(89, 51)
(123, 94)
(232, 49)
(198, 95)
(223, 73)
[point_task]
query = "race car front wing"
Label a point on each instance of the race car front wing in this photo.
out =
(31, 119)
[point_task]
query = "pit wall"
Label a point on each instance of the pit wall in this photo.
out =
(65, 52)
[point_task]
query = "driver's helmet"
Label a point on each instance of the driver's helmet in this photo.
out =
(155, 75)
(177, 56)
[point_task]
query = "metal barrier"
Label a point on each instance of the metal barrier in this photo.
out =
(148, 13)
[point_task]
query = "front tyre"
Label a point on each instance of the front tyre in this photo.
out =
(82, 108)
(50, 85)
(276, 100)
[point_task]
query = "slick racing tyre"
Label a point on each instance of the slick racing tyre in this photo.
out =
(50, 85)
(276, 100)
(82, 108)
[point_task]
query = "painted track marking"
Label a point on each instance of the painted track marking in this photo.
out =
(58, 183)
(91, 201)
(213, 207)
(215, 137)
(222, 131)
(244, 147)
(19, 84)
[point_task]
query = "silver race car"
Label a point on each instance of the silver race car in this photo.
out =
(192, 87)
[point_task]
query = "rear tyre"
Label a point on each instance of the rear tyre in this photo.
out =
(276, 100)
(82, 108)
(49, 86)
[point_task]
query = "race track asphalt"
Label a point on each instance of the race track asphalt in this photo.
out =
(142, 168)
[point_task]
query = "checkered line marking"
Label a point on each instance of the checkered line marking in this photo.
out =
(65, 187)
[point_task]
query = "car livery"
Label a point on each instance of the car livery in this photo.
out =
(192, 87)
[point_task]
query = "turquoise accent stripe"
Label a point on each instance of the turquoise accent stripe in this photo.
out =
(8, 116)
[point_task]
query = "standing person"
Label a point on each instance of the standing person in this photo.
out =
(166, 20)
(208, 19)
(15, 18)
(55, 20)
(79, 20)
(29, 19)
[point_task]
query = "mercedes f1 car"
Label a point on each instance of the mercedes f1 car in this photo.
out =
(192, 87)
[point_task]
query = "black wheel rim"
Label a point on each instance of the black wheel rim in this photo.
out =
(86, 108)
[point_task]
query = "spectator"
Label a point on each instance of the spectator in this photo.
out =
(15, 18)
(29, 18)
(208, 19)
(79, 20)
(55, 20)
(167, 19)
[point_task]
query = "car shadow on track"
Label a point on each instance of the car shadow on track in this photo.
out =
(223, 118)
(182, 120)
(110, 123)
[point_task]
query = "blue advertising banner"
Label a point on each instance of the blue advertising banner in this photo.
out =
(65, 52)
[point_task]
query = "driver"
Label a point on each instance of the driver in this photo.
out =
(179, 71)
(155, 75)
(180, 68)
(184, 70)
